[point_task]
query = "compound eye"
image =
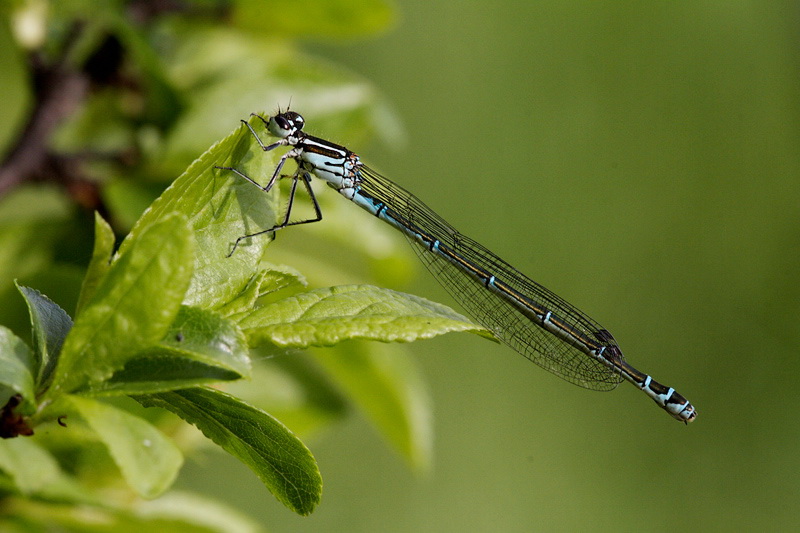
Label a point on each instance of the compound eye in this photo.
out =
(298, 122)
(285, 124)
(281, 126)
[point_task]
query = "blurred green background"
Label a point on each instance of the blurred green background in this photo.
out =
(642, 161)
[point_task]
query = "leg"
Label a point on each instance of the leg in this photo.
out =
(318, 212)
(275, 175)
(265, 147)
(307, 184)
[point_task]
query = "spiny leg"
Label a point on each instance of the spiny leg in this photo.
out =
(299, 175)
(265, 147)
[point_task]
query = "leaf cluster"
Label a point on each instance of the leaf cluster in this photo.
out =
(167, 319)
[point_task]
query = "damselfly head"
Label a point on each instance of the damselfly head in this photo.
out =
(285, 124)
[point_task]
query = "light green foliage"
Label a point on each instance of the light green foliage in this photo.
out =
(100, 263)
(34, 472)
(169, 314)
(156, 267)
(324, 317)
(384, 383)
(148, 460)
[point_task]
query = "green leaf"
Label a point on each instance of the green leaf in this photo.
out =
(50, 324)
(221, 207)
(200, 347)
(100, 263)
(164, 103)
(295, 391)
(148, 460)
(267, 281)
(195, 512)
(207, 336)
(159, 370)
(15, 87)
(35, 471)
(17, 369)
(129, 198)
(387, 386)
(320, 18)
(246, 299)
(220, 93)
(30, 466)
(266, 446)
(32, 219)
(132, 308)
(323, 317)
(279, 277)
(175, 512)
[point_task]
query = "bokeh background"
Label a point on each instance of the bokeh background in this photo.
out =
(642, 160)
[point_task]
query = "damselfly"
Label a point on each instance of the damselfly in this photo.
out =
(524, 315)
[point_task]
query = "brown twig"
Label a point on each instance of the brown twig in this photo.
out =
(59, 90)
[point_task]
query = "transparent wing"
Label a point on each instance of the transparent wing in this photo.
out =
(466, 280)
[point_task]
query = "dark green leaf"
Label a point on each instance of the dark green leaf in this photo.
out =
(31, 219)
(265, 445)
(164, 103)
(200, 347)
(17, 369)
(159, 370)
(15, 87)
(50, 326)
